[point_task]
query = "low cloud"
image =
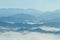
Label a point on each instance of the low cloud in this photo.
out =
(28, 36)
(53, 29)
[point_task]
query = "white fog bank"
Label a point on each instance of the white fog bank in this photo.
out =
(50, 28)
(28, 36)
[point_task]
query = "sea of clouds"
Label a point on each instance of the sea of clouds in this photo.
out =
(29, 36)
(26, 35)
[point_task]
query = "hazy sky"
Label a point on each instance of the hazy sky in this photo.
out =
(43, 5)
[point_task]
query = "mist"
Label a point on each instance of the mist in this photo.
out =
(28, 36)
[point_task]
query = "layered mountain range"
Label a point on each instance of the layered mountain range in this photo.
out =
(27, 19)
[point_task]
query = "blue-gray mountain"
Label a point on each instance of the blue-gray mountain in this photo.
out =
(20, 27)
(51, 16)
(20, 18)
(13, 11)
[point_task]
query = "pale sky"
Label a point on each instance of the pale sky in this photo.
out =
(43, 5)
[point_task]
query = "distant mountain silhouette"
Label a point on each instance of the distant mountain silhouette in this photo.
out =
(20, 27)
(51, 19)
(47, 16)
(13, 11)
(13, 18)
(18, 18)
